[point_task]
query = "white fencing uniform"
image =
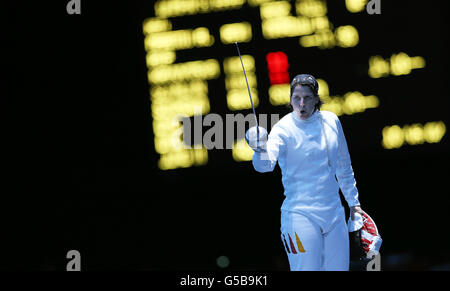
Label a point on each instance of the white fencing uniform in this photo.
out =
(315, 162)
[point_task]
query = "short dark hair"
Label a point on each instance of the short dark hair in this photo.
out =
(311, 82)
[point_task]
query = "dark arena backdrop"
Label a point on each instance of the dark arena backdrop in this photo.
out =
(95, 106)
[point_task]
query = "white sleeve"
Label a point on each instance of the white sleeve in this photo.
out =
(344, 170)
(276, 144)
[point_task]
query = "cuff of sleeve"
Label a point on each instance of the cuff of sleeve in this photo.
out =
(354, 203)
(262, 155)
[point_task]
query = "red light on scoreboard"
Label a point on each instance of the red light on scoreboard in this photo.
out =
(278, 66)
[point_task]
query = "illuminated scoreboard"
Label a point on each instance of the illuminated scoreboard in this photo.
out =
(194, 70)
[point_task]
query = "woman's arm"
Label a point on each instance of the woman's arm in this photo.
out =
(344, 170)
(265, 160)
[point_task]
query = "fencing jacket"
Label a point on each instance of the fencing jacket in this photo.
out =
(313, 167)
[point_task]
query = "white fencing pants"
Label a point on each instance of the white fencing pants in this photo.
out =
(309, 249)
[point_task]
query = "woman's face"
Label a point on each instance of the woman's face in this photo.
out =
(303, 101)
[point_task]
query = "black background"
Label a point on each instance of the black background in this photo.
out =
(79, 170)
